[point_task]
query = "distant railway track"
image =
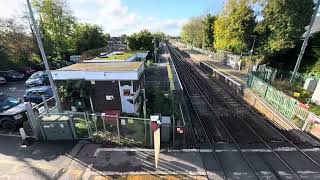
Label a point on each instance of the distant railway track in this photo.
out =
(222, 118)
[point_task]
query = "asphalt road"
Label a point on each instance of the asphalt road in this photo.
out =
(13, 88)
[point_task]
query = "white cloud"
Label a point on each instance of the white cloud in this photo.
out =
(12, 8)
(114, 16)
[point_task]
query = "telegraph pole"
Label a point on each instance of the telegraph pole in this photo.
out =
(44, 57)
(305, 42)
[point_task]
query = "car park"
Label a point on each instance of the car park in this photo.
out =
(12, 75)
(3, 80)
(12, 112)
(39, 78)
(34, 94)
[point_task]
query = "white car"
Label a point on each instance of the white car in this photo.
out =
(2, 80)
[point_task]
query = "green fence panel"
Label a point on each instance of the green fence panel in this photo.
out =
(281, 102)
(286, 105)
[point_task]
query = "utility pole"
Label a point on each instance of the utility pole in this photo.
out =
(44, 57)
(305, 42)
(155, 50)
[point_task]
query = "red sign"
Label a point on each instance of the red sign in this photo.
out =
(154, 126)
(305, 106)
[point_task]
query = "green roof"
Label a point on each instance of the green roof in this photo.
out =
(119, 57)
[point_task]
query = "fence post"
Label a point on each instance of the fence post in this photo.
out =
(118, 129)
(306, 122)
(45, 103)
(32, 122)
(72, 125)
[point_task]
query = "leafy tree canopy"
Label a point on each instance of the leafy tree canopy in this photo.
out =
(234, 26)
(89, 37)
(193, 32)
(283, 24)
(141, 41)
(57, 26)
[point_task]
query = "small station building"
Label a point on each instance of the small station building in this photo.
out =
(113, 86)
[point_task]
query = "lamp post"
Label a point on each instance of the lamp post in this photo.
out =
(305, 42)
(254, 41)
(44, 57)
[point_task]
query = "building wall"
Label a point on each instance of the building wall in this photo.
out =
(100, 90)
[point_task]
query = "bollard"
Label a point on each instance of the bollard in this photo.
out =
(23, 134)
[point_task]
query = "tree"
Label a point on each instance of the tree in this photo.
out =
(89, 37)
(283, 24)
(193, 32)
(141, 41)
(57, 26)
(234, 26)
(16, 44)
(158, 37)
(209, 32)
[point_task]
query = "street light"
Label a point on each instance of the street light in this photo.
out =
(254, 41)
(44, 57)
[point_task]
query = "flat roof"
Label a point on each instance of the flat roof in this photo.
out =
(103, 67)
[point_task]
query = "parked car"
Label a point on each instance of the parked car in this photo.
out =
(27, 71)
(39, 78)
(12, 75)
(12, 112)
(34, 94)
(3, 80)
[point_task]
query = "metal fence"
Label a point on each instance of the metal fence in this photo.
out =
(287, 106)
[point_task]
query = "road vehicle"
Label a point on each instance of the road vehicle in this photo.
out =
(34, 94)
(3, 80)
(12, 75)
(12, 112)
(39, 78)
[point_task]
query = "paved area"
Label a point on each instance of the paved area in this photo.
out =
(41, 160)
(13, 88)
(239, 76)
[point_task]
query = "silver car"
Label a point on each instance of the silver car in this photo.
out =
(2, 80)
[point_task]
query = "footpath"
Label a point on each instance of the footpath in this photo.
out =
(84, 160)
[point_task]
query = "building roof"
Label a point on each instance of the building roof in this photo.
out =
(100, 71)
(104, 67)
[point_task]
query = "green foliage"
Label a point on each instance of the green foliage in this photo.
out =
(75, 91)
(158, 37)
(16, 44)
(233, 27)
(141, 41)
(284, 23)
(209, 32)
(193, 32)
(157, 102)
(57, 25)
(89, 37)
(311, 59)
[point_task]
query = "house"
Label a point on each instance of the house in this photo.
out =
(113, 86)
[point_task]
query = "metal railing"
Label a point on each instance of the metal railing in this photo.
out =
(286, 105)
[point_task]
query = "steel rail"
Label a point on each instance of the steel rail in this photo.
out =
(274, 129)
(230, 136)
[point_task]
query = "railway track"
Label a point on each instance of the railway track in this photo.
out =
(222, 118)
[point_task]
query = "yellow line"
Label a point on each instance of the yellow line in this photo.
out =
(172, 88)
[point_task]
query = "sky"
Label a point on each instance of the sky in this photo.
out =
(119, 17)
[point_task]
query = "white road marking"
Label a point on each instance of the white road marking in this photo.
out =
(280, 149)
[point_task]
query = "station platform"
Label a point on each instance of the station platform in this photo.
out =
(238, 76)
